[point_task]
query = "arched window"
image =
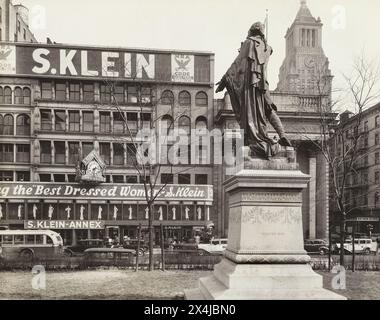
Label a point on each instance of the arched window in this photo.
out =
(26, 93)
(1, 95)
(167, 124)
(184, 98)
(8, 125)
(201, 124)
(1, 125)
(18, 96)
(184, 124)
(8, 95)
(201, 99)
(167, 97)
(23, 125)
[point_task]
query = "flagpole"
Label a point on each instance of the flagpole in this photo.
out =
(266, 25)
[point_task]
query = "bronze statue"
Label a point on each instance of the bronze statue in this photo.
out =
(247, 85)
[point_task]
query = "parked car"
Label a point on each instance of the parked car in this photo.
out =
(216, 246)
(82, 246)
(107, 256)
(133, 244)
(364, 245)
(316, 246)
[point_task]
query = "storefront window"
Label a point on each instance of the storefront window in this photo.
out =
(6, 175)
(131, 179)
(167, 178)
(23, 176)
(201, 179)
(184, 178)
(6, 152)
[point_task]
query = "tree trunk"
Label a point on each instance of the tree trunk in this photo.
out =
(342, 238)
(150, 228)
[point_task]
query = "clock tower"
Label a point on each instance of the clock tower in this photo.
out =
(305, 69)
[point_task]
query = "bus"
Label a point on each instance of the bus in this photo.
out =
(29, 244)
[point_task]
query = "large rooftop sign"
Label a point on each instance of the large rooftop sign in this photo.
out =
(35, 190)
(85, 62)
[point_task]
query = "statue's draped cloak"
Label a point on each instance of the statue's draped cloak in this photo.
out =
(248, 88)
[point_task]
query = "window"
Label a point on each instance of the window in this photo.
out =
(201, 123)
(167, 97)
(377, 177)
(7, 95)
(146, 118)
(118, 122)
(184, 98)
(201, 179)
(131, 179)
(1, 125)
(46, 90)
(376, 139)
(45, 120)
(60, 120)
(74, 121)
(23, 153)
(60, 151)
(59, 178)
(73, 152)
(74, 92)
(131, 154)
(88, 93)
(87, 147)
(167, 178)
(118, 179)
(23, 125)
(26, 93)
(19, 99)
(71, 178)
(105, 122)
(6, 152)
(132, 121)
(118, 154)
(184, 124)
(146, 95)
(132, 95)
(1, 95)
(23, 176)
(6, 176)
(377, 158)
(45, 151)
(201, 99)
(60, 91)
(105, 152)
(184, 178)
(118, 92)
(167, 124)
(88, 121)
(105, 94)
(377, 121)
(45, 178)
(8, 128)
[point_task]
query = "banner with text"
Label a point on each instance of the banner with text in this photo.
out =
(63, 224)
(33, 190)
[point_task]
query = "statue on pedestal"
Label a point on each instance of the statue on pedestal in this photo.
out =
(247, 85)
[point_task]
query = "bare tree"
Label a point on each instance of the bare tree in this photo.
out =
(340, 141)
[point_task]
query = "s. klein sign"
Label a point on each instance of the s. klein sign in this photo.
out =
(33, 190)
(63, 224)
(76, 62)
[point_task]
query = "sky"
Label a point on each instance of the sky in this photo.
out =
(217, 26)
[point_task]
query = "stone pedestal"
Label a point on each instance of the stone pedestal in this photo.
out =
(265, 258)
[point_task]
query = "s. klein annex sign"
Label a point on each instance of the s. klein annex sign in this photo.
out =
(63, 224)
(86, 62)
(35, 190)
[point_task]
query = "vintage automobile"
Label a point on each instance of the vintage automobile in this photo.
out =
(318, 246)
(108, 256)
(82, 246)
(216, 246)
(361, 245)
(133, 244)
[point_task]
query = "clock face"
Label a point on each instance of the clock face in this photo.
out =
(93, 167)
(309, 62)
